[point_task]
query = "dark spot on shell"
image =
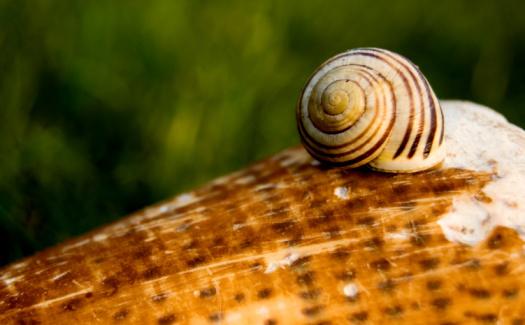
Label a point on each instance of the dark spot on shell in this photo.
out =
(219, 248)
(256, 267)
(245, 244)
(394, 311)
(24, 321)
(434, 285)
(441, 303)
(480, 293)
(510, 293)
(283, 227)
(121, 314)
(166, 320)
(501, 269)
(401, 190)
(196, 261)
(264, 293)
(214, 318)
(429, 264)
(374, 244)
(324, 322)
(340, 254)
(208, 293)
(488, 318)
(89, 295)
(306, 279)
(358, 203)
(518, 321)
(387, 286)
(270, 322)
(495, 241)
(366, 221)
(99, 260)
(152, 273)
(469, 314)
(294, 242)
(160, 297)
(380, 265)
(128, 275)
(110, 284)
(143, 252)
(312, 311)
(359, 317)
(239, 297)
(310, 294)
(72, 304)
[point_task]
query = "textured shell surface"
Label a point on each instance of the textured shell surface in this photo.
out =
(286, 241)
(371, 106)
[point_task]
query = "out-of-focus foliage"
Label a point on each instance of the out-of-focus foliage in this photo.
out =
(109, 106)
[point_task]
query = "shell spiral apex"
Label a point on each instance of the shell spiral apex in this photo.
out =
(371, 106)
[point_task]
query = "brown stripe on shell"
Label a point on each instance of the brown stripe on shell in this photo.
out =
(442, 125)
(433, 118)
(416, 137)
(345, 129)
(319, 154)
(359, 158)
(432, 105)
(407, 65)
(408, 132)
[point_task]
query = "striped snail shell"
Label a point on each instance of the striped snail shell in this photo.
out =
(371, 106)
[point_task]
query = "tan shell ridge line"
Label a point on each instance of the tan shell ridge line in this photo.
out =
(285, 241)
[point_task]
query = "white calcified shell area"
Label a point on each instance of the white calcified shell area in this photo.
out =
(490, 144)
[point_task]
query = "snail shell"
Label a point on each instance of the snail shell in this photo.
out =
(371, 106)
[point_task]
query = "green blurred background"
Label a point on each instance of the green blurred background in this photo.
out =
(109, 106)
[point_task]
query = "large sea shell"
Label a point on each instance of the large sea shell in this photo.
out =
(287, 241)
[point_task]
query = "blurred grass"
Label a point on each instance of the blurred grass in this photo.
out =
(109, 106)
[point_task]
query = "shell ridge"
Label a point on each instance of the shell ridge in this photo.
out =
(360, 135)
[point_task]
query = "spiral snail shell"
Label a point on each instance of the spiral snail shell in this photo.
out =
(371, 106)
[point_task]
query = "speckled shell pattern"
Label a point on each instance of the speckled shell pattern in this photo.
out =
(371, 106)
